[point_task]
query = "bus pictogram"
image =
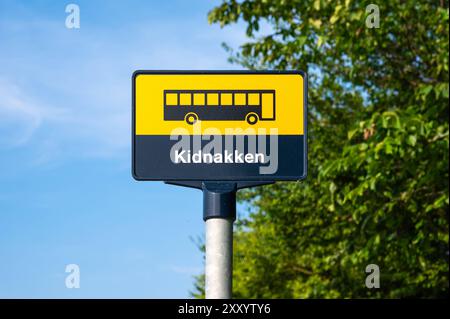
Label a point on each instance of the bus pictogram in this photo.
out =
(219, 105)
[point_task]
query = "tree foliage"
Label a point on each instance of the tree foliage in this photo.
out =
(377, 190)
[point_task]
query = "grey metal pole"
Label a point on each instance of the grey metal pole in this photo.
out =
(219, 258)
(219, 213)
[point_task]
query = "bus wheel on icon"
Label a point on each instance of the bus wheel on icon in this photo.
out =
(251, 118)
(191, 118)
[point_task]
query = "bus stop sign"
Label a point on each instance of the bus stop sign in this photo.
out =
(219, 125)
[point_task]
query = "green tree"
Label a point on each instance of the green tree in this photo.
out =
(377, 190)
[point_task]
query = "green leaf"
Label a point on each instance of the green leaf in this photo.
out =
(412, 139)
(317, 5)
(351, 133)
(317, 23)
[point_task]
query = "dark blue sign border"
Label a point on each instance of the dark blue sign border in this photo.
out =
(195, 181)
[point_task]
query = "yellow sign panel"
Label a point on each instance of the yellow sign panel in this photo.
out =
(224, 101)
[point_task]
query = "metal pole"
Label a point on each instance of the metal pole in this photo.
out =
(219, 213)
(219, 247)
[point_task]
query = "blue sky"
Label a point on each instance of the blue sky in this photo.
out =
(66, 191)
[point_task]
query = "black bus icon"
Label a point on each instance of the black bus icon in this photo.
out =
(219, 105)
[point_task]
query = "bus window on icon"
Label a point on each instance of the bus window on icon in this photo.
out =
(253, 99)
(185, 99)
(268, 105)
(239, 99)
(213, 99)
(199, 99)
(171, 99)
(226, 99)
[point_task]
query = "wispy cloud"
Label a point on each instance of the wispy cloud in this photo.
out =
(20, 115)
